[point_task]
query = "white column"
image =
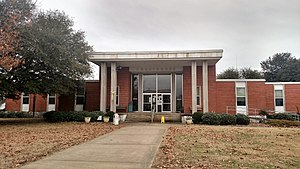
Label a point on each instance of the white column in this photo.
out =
(194, 86)
(205, 85)
(140, 93)
(103, 86)
(173, 93)
(113, 87)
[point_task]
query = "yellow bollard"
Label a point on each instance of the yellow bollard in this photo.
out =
(162, 120)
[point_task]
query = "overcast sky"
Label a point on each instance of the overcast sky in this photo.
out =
(249, 31)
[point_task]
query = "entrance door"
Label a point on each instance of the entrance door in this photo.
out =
(157, 102)
(149, 102)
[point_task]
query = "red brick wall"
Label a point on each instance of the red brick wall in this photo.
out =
(66, 102)
(225, 96)
(256, 95)
(187, 91)
(269, 93)
(212, 89)
(292, 97)
(13, 105)
(124, 83)
(40, 103)
(92, 96)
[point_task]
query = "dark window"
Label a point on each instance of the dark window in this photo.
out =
(51, 100)
(178, 86)
(25, 100)
(241, 101)
(80, 100)
(279, 102)
(149, 83)
(278, 97)
(135, 85)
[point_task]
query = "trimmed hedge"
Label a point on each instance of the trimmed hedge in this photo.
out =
(211, 118)
(197, 117)
(242, 119)
(281, 116)
(61, 116)
(283, 123)
(6, 114)
(227, 119)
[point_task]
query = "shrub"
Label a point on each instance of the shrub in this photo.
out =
(227, 119)
(281, 116)
(6, 114)
(263, 113)
(60, 116)
(197, 117)
(110, 114)
(211, 118)
(242, 119)
(283, 123)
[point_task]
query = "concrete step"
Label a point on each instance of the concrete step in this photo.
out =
(146, 117)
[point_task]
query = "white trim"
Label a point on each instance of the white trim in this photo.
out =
(241, 109)
(25, 107)
(283, 83)
(279, 109)
(157, 55)
(117, 96)
(51, 107)
(240, 80)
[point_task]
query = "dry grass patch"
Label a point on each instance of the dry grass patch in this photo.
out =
(24, 143)
(229, 147)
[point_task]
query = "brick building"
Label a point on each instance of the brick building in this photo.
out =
(167, 82)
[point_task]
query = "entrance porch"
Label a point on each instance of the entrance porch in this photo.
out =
(163, 82)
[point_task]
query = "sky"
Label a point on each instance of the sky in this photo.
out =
(249, 31)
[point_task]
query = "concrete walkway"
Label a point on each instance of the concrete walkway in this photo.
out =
(129, 147)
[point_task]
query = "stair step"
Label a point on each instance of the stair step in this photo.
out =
(146, 117)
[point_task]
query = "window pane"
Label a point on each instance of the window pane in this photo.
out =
(167, 107)
(198, 101)
(241, 101)
(166, 99)
(279, 102)
(279, 93)
(51, 100)
(79, 100)
(164, 83)
(149, 84)
(179, 92)
(198, 91)
(240, 91)
(25, 100)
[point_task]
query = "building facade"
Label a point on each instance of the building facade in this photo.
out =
(167, 82)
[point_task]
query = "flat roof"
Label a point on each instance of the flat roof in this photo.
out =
(213, 54)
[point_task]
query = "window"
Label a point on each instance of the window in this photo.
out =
(178, 84)
(51, 99)
(135, 84)
(278, 97)
(117, 96)
(25, 99)
(80, 96)
(241, 96)
(198, 96)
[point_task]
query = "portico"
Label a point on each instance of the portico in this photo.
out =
(155, 81)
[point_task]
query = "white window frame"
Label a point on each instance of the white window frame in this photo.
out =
(198, 95)
(241, 109)
(25, 107)
(117, 96)
(79, 107)
(279, 109)
(51, 107)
